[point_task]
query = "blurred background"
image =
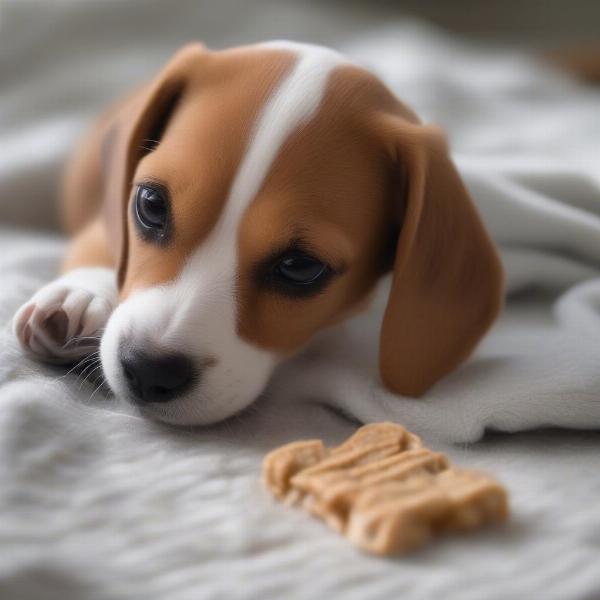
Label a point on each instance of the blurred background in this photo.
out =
(62, 61)
(80, 502)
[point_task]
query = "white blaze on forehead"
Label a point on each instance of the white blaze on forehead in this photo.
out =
(196, 314)
(212, 268)
(292, 104)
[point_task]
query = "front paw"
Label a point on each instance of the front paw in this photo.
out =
(63, 321)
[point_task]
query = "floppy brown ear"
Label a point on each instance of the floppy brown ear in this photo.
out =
(447, 279)
(138, 128)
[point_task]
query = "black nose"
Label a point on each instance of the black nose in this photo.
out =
(158, 378)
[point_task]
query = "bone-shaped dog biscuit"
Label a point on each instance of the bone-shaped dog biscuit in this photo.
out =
(382, 489)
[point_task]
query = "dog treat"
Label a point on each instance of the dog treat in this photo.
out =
(382, 489)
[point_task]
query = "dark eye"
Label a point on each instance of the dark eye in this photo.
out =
(300, 269)
(151, 210)
(295, 272)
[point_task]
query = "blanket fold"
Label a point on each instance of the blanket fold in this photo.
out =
(97, 502)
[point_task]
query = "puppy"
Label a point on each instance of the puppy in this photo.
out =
(243, 201)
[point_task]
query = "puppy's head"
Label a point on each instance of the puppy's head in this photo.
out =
(255, 196)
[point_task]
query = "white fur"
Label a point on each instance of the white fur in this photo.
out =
(86, 296)
(196, 314)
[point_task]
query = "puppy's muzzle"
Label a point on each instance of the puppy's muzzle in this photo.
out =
(158, 378)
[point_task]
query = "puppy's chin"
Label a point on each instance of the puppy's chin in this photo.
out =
(196, 409)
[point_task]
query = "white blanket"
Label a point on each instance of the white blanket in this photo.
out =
(528, 144)
(99, 503)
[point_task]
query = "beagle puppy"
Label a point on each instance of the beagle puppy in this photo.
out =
(243, 201)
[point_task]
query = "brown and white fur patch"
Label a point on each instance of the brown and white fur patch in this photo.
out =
(274, 146)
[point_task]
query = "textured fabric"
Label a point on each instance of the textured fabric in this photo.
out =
(526, 142)
(96, 502)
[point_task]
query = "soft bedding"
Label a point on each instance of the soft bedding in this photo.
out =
(96, 502)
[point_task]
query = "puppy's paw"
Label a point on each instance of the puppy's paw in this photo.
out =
(63, 321)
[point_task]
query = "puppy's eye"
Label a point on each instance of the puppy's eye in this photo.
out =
(298, 268)
(294, 272)
(151, 207)
(151, 211)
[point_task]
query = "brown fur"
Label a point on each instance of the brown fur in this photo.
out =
(361, 177)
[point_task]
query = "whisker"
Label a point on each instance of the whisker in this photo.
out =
(98, 388)
(90, 367)
(91, 362)
(98, 366)
(88, 357)
(80, 338)
(77, 340)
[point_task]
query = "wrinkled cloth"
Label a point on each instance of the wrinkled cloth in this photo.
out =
(96, 502)
(527, 142)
